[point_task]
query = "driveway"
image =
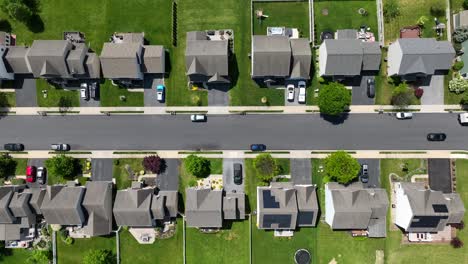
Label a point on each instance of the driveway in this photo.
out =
(301, 171)
(101, 169)
(374, 172)
(433, 90)
(89, 103)
(37, 163)
(359, 93)
(150, 91)
(218, 96)
(439, 175)
(169, 179)
(228, 176)
(25, 92)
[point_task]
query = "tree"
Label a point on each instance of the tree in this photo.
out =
(465, 4)
(99, 256)
(333, 99)
(438, 8)
(266, 167)
(61, 165)
(39, 257)
(154, 164)
(341, 167)
(198, 166)
(391, 9)
(458, 85)
(7, 166)
(464, 100)
(456, 242)
(401, 95)
(17, 10)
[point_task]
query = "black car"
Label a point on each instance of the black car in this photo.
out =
(13, 147)
(257, 147)
(370, 88)
(94, 90)
(436, 136)
(238, 173)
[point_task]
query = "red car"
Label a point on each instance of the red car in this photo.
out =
(30, 173)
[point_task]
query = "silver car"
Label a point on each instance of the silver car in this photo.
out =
(290, 89)
(404, 115)
(60, 147)
(198, 118)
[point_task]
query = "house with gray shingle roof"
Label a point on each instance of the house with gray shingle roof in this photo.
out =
(164, 205)
(62, 205)
(126, 58)
(422, 210)
(412, 58)
(206, 60)
(345, 57)
(97, 204)
(284, 206)
(234, 206)
(353, 207)
(276, 59)
(132, 206)
(203, 207)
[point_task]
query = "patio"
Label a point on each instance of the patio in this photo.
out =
(143, 235)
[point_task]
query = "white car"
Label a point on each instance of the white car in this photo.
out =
(84, 91)
(290, 90)
(404, 115)
(463, 118)
(302, 92)
(198, 118)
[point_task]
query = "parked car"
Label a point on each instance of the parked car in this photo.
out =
(84, 91)
(94, 90)
(464, 76)
(463, 119)
(60, 147)
(436, 136)
(30, 173)
(290, 89)
(370, 88)
(198, 118)
(364, 173)
(13, 147)
(41, 175)
(238, 173)
(302, 92)
(257, 147)
(160, 93)
(404, 115)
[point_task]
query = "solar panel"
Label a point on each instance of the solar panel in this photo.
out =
(281, 221)
(269, 200)
(440, 208)
(305, 218)
(426, 221)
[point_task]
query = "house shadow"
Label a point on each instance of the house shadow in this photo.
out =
(233, 70)
(335, 120)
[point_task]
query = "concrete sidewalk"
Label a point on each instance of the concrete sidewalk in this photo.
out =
(217, 110)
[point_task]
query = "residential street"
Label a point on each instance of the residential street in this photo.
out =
(234, 132)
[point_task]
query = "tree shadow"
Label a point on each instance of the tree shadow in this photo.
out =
(5, 25)
(35, 24)
(34, 5)
(335, 120)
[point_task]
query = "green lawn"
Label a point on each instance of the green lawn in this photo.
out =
(7, 99)
(74, 253)
(161, 251)
(282, 14)
(15, 256)
(230, 245)
(414, 166)
(344, 15)
(456, 5)
(122, 179)
(185, 177)
(110, 96)
(56, 179)
(21, 166)
(71, 97)
(216, 166)
(410, 11)
(450, 97)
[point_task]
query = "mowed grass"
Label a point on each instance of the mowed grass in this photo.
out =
(7, 99)
(74, 253)
(120, 173)
(15, 256)
(282, 14)
(395, 166)
(410, 12)
(21, 166)
(54, 94)
(344, 15)
(230, 245)
(110, 96)
(161, 251)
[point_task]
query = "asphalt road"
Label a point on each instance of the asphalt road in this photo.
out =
(233, 132)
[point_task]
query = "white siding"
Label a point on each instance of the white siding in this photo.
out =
(403, 212)
(329, 207)
(394, 56)
(322, 59)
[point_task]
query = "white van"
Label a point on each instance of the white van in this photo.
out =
(463, 119)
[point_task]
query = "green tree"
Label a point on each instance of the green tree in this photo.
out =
(333, 99)
(465, 4)
(464, 99)
(39, 257)
(17, 10)
(197, 166)
(402, 95)
(99, 256)
(341, 167)
(391, 9)
(266, 167)
(61, 165)
(7, 166)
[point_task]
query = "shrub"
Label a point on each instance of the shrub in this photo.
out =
(401, 95)
(116, 162)
(192, 183)
(422, 20)
(460, 34)
(16, 181)
(266, 167)
(458, 65)
(456, 242)
(17, 10)
(465, 4)
(459, 226)
(69, 240)
(464, 99)
(99, 256)
(418, 92)
(197, 166)
(458, 85)
(321, 79)
(154, 164)
(438, 8)
(391, 9)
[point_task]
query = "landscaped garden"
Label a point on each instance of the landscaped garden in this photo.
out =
(122, 170)
(116, 96)
(55, 97)
(334, 15)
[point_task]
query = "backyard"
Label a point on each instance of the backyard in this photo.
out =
(74, 253)
(56, 97)
(333, 15)
(15, 256)
(116, 96)
(160, 251)
(410, 12)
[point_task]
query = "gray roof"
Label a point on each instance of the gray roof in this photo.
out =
(234, 206)
(420, 55)
(132, 207)
(6, 193)
(164, 205)
(37, 196)
(153, 59)
(372, 56)
(346, 34)
(98, 206)
(277, 206)
(47, 58)
(344, 57)
(355, 206)
(121, 60)
(307, 205)
(203, 207)
(62, 205)
(16, 60)
(301, 58)
(10, 232)
(131, 37)
(75, 59)
(19, 204)
(206, 57)
(271, 56)
(197, 35)
(93, 65)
